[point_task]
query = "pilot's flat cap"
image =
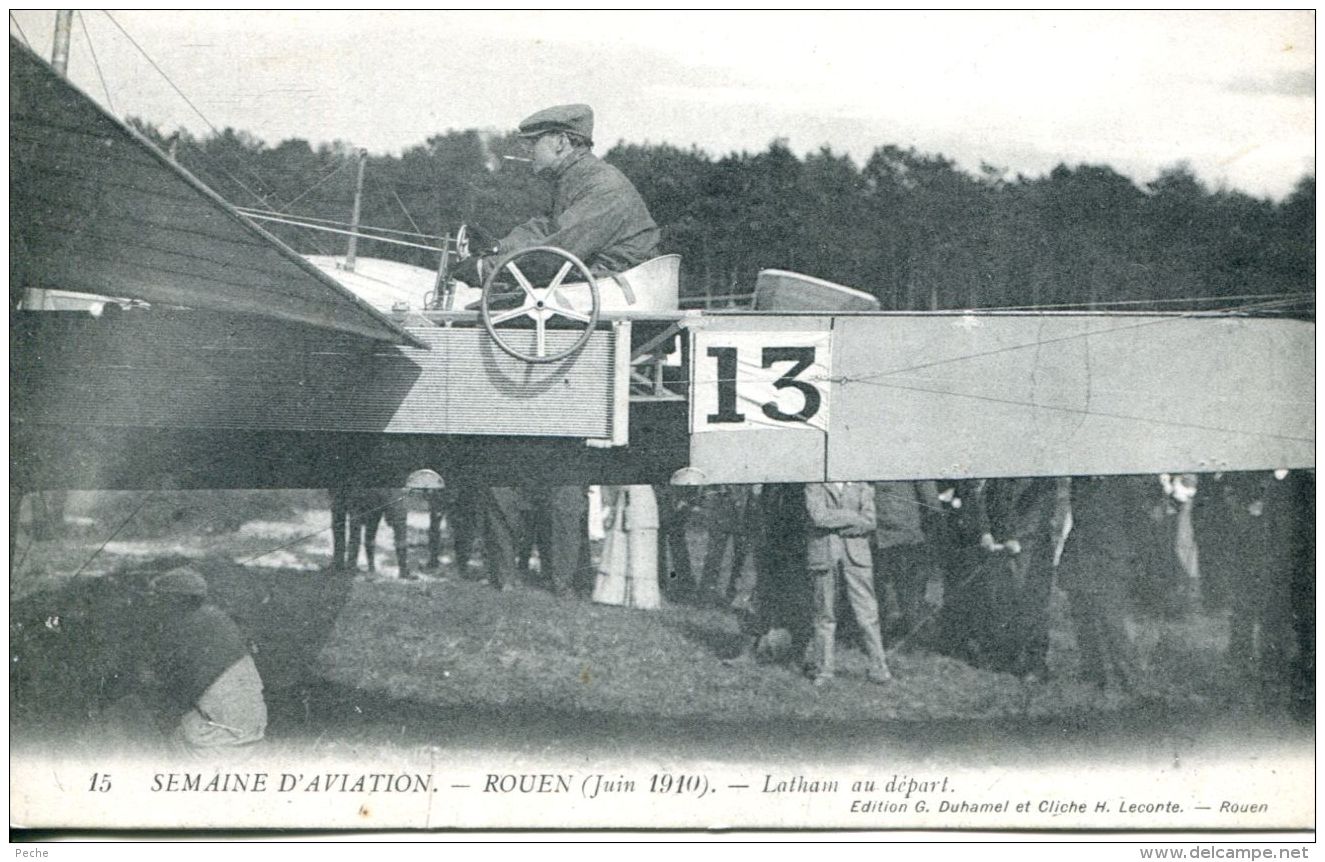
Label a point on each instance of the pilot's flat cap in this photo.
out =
(184, 581)
(576, 119)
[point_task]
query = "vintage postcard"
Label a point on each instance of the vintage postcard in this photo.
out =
(852, 421)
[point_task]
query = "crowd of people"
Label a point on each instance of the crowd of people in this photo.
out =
(966, 568)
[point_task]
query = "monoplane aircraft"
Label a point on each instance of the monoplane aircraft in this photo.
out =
(223, 359)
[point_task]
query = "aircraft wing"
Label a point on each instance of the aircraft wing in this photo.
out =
(96, 208)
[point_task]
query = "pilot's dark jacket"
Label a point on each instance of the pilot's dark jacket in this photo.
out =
(597, 215)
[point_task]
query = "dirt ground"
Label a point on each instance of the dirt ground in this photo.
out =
(379, 664)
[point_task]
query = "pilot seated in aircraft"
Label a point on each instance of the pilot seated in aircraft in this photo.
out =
(597, 214)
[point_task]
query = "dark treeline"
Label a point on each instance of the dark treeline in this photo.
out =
(912, 228)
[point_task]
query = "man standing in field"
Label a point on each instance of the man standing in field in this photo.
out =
(1019, 517)
(1098, 560)
(901, 554)
(841, 522)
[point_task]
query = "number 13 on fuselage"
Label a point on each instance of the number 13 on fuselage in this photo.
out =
(758, 380)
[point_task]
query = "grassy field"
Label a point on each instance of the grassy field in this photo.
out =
(388, 664)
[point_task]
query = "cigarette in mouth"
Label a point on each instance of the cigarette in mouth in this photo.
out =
(517, 159)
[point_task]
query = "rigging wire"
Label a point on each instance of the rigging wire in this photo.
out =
(304, 538)
(224, 170)
(1289, 298)
(338, 223)
(236, 180)
(359, 274)
(93, 51)
(405, 210)
(1069, 388)
(204, 159)
(187, 101)
(333, 172)
(1035, 344)
(1104, 306)
(311, 223)
(149, 496)
(359, 234)
(1144, 321)
(307, 233)
(19, 27)
(16, 569)
(1082, 411)
(136, 509)
(266, 200)
(164, 76)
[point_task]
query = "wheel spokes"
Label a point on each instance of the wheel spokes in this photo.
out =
(570, 313)
(561, 274)
(540, 304)
(512, 314)
(524, 283)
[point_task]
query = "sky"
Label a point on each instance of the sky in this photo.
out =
(1229, 93)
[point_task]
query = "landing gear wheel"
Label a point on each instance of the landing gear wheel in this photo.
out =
(540, 304)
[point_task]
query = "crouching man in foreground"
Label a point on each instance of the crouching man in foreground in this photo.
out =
(199, 689)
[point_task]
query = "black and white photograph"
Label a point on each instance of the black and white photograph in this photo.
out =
(871, 423)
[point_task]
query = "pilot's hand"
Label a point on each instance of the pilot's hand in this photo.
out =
(480, 243)
(469, 270)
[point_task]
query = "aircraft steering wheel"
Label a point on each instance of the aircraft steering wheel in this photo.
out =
(461, 250)
(540, 304)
